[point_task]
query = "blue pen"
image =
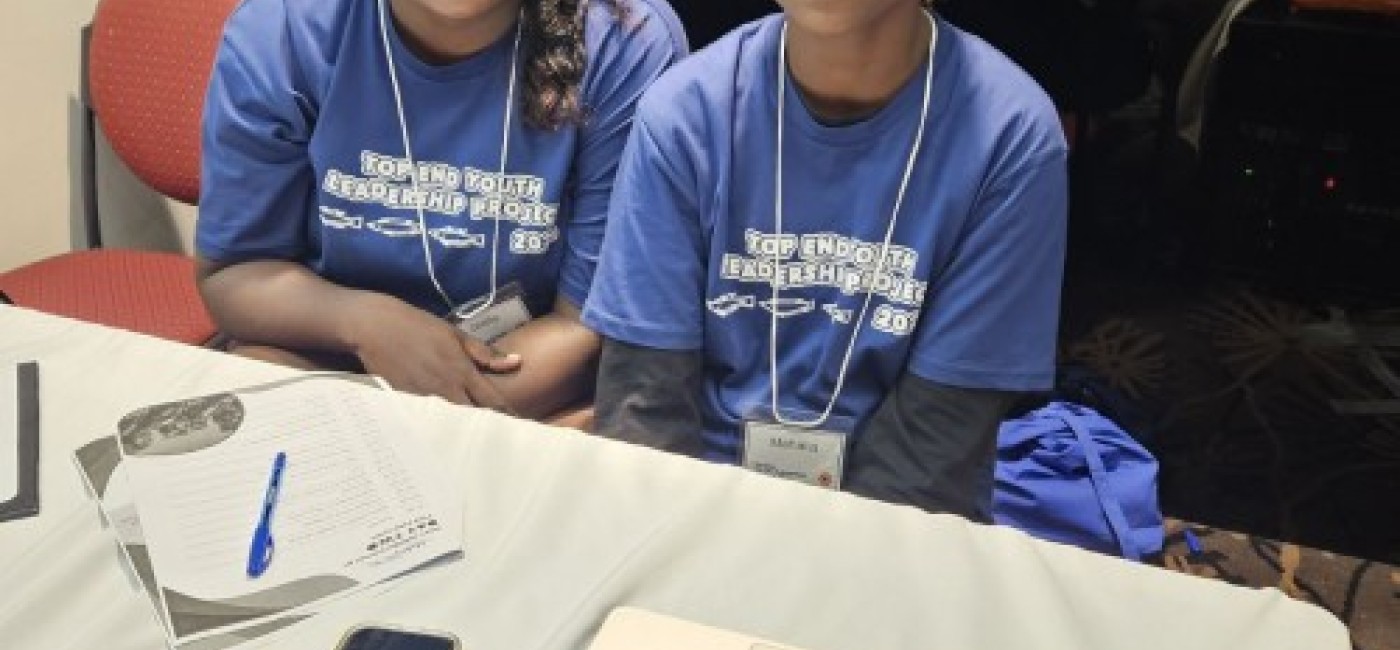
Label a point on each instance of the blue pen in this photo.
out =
(260, 553)
(1192, 543)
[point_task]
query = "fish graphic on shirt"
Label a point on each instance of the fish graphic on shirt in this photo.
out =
(788, 307)
(338, 219)
(455, 237)
(838, 315)
(394, 227)
(724, 306)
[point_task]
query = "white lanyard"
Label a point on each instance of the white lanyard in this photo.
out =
(408, 153)
(884, 248)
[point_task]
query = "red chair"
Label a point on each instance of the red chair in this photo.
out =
(148, 63)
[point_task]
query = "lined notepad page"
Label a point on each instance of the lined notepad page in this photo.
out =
(357, 500)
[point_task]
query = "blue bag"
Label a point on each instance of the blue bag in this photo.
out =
(1067, 474)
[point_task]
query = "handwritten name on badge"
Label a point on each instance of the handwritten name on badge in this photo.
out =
(812, 456)
(797, 445)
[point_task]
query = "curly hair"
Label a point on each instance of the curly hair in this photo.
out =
(555, 59)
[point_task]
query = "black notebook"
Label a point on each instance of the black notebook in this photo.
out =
(19, 441)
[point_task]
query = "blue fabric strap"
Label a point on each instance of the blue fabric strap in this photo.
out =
(1112, 510)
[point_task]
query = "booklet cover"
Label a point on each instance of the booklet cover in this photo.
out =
(359, 503)
(99, 464)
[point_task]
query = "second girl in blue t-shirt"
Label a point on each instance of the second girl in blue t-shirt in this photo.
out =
(834, 254)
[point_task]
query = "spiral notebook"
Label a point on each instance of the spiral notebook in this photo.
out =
(19, 441)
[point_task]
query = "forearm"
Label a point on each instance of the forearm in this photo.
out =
(933, 446)
(283, 304)
(559, 362)
(651, 397)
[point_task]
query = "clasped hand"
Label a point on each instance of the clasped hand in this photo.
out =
(417, 352)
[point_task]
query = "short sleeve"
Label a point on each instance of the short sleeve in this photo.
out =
(256, 183)
(632, 54)
(992, 315)
(649, 290)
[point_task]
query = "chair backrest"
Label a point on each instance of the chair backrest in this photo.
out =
(148, 70)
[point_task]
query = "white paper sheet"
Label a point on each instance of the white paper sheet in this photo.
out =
(358, 504)
(9, 432)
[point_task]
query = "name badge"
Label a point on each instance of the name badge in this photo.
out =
(505, 313)
(812, 456)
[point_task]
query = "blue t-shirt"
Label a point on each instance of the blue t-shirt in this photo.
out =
(970, 291)
(303, 158)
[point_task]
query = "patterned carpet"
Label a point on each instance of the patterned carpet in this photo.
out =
(1277, 424)
(1363, 594)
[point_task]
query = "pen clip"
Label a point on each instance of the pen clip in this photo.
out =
(1193, 544)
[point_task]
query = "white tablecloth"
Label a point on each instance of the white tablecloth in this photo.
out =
(560, 527)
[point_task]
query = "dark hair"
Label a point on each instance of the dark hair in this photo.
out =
(555, 58)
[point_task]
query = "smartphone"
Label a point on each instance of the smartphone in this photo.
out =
(385, 637)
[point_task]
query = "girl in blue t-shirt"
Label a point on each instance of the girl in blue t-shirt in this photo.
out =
(834, 254)
(381, 177)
